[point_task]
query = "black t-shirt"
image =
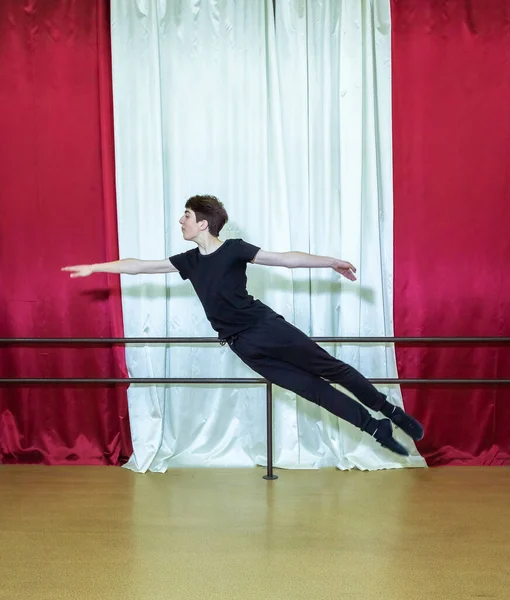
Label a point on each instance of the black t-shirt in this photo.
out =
(219, 280)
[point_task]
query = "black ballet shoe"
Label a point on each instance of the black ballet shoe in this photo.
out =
(384, 435)
(408, 424)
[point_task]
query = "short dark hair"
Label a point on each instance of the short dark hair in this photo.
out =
(210, 209)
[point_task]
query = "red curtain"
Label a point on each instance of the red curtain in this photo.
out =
(57, 200)
(451, 136)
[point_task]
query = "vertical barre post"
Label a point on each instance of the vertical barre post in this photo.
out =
(269, 423)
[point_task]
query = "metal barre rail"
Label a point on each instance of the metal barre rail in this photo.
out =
(213, 340)
(240, 381)
(231, 380)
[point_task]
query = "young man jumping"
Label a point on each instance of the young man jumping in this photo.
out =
(260, 337)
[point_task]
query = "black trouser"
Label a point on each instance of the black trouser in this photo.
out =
(287, 357)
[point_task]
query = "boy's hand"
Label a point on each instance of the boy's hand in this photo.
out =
(80, 270)
(345, 269)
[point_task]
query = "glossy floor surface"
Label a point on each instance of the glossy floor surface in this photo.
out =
(107, 533)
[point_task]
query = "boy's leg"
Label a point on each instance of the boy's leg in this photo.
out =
(316, 389)
(283, 341)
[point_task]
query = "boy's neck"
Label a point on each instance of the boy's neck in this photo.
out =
(208, 244)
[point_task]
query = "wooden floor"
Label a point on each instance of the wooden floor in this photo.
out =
(106, 533)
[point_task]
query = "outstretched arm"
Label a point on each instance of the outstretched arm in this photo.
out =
(130, 266)
(294, 260)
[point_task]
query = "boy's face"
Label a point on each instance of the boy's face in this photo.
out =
(189, 226)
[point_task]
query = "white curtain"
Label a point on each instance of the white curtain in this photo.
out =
(288, 121)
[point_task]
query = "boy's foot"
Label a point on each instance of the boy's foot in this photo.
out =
(384, 435)
(408, 424)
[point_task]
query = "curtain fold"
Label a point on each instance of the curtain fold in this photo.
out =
(275, 118)
(57, 204)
